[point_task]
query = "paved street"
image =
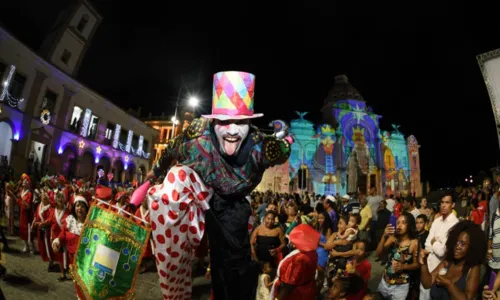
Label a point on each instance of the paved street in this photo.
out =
(27, 278)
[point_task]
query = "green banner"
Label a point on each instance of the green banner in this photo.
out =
(109, 255)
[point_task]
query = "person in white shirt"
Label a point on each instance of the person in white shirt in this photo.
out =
(435, 245)
(390, 203)
(409, 206)
(374, 202)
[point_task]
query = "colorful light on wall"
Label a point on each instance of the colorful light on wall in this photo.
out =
(86, 121)
(129, 140)
(81, 144)
(126, 161)
(98, 150)
(96, 160)
(16, 136)
(60, 150)
(116, 136)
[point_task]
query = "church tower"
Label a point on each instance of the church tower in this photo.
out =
(69, 39)
(414, 155)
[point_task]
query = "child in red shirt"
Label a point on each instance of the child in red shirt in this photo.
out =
(476, 215)
(359, 264)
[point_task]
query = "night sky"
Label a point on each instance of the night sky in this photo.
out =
(416, 66)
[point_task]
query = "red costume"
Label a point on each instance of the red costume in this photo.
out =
(299, 267)
(43, 215)
(143, 214)
(24, 201)
(57, 221)
(116, 207)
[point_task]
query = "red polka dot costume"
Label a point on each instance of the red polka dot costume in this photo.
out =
(177, 211)
(180, 207)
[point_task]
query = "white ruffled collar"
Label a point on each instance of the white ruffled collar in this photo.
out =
(73, 225)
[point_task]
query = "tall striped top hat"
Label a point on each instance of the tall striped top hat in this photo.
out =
(233, 96)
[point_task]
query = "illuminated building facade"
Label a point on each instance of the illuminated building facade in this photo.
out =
(349, 153)
(61, 126)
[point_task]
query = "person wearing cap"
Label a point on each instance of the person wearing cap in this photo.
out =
(70, 235)
(351, 205)
(41, 225)
(296, 272)
(24, 200)
(56, 226)
(226, 157)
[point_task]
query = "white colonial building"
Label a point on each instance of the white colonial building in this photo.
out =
(61, 126)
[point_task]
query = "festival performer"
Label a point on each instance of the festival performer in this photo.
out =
(24, 200)
(58, 217)
(70, 234)
(222, 158)
(120, 204)
(296, 272)
(41, 226)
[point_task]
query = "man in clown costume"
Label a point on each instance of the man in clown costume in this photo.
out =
(220, 159)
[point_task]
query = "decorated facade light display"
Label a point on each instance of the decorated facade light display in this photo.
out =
(98, 150)
(353, 154)
(129, 140)
(81, 144)
(141, 143)
(85, 123)
(45, 117)
(5, 95)
(116, 136)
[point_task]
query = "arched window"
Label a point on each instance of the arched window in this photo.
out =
(83, 22)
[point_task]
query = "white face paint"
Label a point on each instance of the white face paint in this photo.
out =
(231, 134)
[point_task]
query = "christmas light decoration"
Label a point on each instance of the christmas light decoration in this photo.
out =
(86, 121)
(98, 149)
(81, 144)
(126, 158)
(116, 136)
(139, 148)
(5, 89)
(45, 117)
(129, 140)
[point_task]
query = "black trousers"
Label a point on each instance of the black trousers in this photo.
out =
(234, 274)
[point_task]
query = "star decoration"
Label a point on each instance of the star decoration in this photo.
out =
(126, 158)
(82, 144)
(359, 113)
(98, 149)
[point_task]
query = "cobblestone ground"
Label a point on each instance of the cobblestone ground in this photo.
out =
(27, 278)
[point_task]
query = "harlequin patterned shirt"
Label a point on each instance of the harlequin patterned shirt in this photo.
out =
(197, 148)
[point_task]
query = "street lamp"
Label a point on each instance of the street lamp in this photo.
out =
(193, 102)
(174, 122)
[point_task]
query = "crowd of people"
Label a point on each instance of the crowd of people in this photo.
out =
(428, 251)
(439, 251)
